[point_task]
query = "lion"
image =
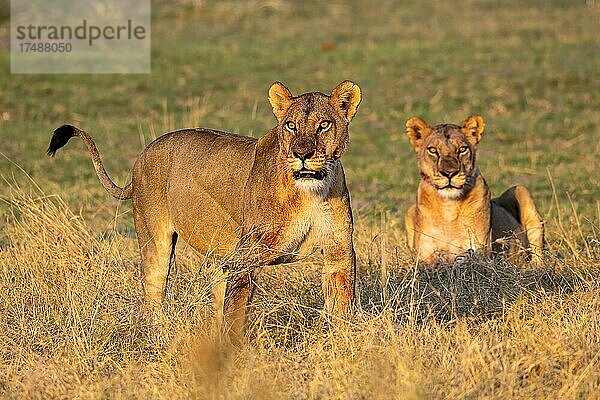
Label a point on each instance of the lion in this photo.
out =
(251, 202)
(454, 215)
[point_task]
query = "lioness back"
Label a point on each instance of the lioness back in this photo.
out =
(204, 173)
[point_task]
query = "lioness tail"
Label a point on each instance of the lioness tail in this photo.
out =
(60, 138)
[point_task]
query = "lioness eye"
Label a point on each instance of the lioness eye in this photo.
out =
(432, 150)
(290, 126)
(463, 149)
(324, 126)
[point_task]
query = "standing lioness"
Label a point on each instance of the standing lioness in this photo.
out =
(454, 213)
(251, 201)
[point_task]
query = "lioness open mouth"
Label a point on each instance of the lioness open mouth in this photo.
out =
(450, 186)
(309, 174)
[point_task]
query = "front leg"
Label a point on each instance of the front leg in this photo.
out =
(409, 224)
(339, 270)
(236, 291)
(338, 283)
(238, 294)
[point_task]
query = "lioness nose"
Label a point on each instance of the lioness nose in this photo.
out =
(449, 173)
(449, 167)
(303, 154)
(303, 148)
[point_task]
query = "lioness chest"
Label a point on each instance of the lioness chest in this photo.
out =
(305, 228)
(444, 240)
(448, 228)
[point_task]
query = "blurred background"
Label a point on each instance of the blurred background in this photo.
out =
(529, 68)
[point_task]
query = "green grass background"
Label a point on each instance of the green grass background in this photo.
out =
(530, 68)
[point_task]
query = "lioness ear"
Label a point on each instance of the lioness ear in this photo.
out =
(280, 99)
(473, 128)
(346, 97)
(417, 130)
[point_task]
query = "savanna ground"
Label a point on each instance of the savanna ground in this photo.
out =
(70, 297)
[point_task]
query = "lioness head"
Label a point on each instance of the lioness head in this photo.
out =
(313, 130)
(446, 154)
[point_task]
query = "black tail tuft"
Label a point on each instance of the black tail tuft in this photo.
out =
(60, 137)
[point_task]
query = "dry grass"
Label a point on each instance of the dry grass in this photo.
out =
(71, 324)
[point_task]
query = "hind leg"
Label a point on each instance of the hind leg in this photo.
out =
(518, 202)
(157, 246)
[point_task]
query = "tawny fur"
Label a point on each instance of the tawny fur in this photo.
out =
(252, 202)
(454, 213)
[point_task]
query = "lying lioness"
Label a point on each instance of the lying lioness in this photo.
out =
(454, 214)
(251, 201)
